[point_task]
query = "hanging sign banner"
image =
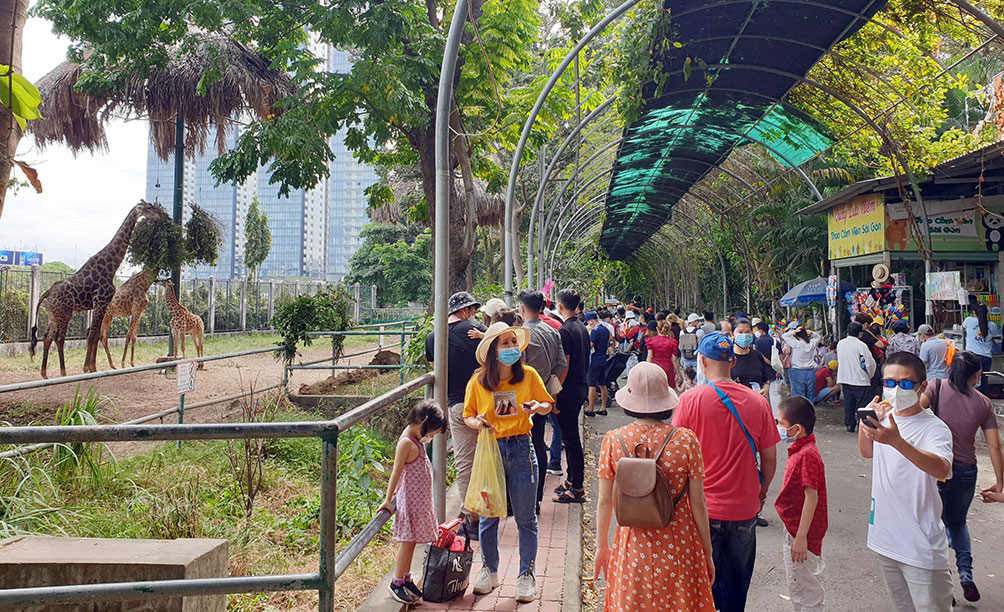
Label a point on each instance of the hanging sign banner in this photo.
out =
(857, 227)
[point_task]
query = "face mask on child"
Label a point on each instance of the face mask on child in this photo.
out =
(784, 434)
(509, 356)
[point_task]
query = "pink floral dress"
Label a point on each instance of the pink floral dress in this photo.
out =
(415, 519)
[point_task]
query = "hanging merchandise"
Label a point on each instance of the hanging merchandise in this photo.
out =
(885, 303)
(831, 291)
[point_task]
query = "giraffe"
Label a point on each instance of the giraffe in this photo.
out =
(91, 288)
(182, 321)
(130, 300)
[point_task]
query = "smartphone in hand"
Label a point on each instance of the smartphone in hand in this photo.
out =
(863, 413)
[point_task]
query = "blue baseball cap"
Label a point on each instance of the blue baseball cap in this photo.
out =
(717, 346)
(591, 316)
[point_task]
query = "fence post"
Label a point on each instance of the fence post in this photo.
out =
(380, 344)
(328, 535)
(373, 296)
(271, 302)
(355, 296)
(211, 315)
(297, 293)
(34, 292)
(244, 304)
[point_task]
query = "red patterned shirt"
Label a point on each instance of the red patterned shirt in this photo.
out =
(804, 469)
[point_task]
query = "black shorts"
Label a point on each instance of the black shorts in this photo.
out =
(596, 376)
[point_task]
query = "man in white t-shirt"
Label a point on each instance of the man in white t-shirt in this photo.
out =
(911, 450)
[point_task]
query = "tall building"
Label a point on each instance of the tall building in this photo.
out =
(314, 232)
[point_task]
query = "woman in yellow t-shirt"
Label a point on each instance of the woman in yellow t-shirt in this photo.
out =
(502, 396)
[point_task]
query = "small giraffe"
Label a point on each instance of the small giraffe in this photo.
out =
(91, 288)
(182, 321)
(130, 300)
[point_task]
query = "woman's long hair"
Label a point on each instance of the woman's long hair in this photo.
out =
(964, 366)
(980, 310)
(489, 375)
(664, 328)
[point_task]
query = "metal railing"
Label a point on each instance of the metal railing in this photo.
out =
(330, 564)
(406, 329)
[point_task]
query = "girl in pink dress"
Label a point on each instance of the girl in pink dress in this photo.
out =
(411, 480)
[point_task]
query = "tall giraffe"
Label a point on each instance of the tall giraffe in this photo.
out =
(182, 321)
(130, 300)
(91, 288)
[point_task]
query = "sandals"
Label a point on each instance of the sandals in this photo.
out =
(571, 496)
(563, 487)
(588, 413)
(602, 412)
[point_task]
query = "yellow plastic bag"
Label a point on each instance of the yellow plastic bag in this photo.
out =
(486, 494)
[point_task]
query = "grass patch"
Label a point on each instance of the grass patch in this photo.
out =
(190, 492)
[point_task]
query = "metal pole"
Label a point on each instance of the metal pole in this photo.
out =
(329, 497)
(518, 155)
(442, 244)
(179, 197)
(181, 413)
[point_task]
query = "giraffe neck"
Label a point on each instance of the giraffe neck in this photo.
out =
(114, 252)
(172, 302)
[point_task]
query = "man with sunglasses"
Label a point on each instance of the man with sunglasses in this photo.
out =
(911, 450)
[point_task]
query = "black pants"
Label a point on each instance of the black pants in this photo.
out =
(569, 403)
(855, 396)
(540, 449)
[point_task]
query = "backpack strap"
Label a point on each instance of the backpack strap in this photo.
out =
(665, 442)
(937, 396)
(735, 413)
(620, 438)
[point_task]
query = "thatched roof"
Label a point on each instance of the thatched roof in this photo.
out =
(489, 208)
(247, 85)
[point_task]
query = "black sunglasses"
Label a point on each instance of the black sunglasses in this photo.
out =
(902, 384)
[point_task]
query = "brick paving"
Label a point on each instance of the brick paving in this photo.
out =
(552, 546)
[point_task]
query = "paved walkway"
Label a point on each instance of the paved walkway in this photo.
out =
(552, 548)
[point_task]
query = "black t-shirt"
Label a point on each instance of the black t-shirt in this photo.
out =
(751, 368)
(575, 343)
(461, 358)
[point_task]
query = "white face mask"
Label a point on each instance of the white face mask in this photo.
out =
(901, 399)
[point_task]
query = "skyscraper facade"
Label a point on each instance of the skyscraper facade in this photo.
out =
(314, 232)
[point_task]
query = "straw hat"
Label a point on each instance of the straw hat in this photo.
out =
(647, 391)
(496, 330)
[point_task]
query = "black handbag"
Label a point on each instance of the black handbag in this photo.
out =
(447, 573)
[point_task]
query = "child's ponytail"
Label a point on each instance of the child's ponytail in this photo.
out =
(428, 415)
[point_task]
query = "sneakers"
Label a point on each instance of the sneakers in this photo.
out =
(416, 593)
(401, 593)
(486, 583)
(554, 469)
(970, 591)
(526, 589)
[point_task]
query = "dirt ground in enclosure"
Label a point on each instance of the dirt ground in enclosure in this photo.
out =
(331, 384)
(135, 395)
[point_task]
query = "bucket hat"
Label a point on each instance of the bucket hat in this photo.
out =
(492, 306)
(496, 330)
(461, 299)
(647, 391)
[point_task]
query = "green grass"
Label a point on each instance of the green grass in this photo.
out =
(148, 353)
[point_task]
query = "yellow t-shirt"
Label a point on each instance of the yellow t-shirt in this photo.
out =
(503, 408)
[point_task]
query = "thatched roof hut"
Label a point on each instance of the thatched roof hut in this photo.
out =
(489, 208)
(247, 84)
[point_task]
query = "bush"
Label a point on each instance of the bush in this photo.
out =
(326, 311)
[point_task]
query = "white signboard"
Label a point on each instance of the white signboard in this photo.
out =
(959, 224)
(186, 377)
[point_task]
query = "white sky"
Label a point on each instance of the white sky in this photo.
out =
(84, 199)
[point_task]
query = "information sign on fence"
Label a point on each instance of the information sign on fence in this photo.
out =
(186, 377)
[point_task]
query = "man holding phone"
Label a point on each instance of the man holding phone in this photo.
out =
(911, 450)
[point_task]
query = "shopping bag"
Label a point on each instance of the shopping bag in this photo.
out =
(486, 494)
(447, 572)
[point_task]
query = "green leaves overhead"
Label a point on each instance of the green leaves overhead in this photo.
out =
(26, 98)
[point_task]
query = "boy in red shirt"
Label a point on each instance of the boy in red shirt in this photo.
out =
(801, 504)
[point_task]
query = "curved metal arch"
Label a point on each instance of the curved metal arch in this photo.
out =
(528, 126)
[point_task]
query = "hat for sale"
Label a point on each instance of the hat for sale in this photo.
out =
(717, 346)
(925, 330)
(493, 306)
(461, 300)
(647, 391)
(496, 330)
(693, 317)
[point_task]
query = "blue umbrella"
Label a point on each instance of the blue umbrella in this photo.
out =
(810, 292)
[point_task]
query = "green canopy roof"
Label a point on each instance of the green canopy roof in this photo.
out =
(756, 52)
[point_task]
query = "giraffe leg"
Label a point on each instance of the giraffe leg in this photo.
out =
(106, 325)
(46, 341)
(60, 341)
(182, 334)
(131, 338)
(197, 337)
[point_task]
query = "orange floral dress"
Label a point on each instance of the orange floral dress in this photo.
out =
(658, 569)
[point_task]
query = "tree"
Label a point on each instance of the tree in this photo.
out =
(57, 266)
(257, 238)
(397, 259)
(24, 102)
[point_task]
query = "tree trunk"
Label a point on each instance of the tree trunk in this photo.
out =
(13, 14)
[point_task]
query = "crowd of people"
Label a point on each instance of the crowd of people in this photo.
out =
(709, 409)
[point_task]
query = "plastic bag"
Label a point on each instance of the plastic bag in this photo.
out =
(486, 495)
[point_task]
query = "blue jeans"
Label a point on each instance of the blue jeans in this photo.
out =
(555, 450)
(956, 495)
(733, 545)
(803, 382)
(823, 394)
(988, 363)
(688, 363)
(520, 464)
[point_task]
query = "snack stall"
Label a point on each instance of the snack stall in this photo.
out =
(876, 242)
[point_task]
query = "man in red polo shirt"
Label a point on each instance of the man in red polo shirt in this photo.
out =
(734, 425)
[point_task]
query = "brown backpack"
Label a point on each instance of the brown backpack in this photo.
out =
(642, 495)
